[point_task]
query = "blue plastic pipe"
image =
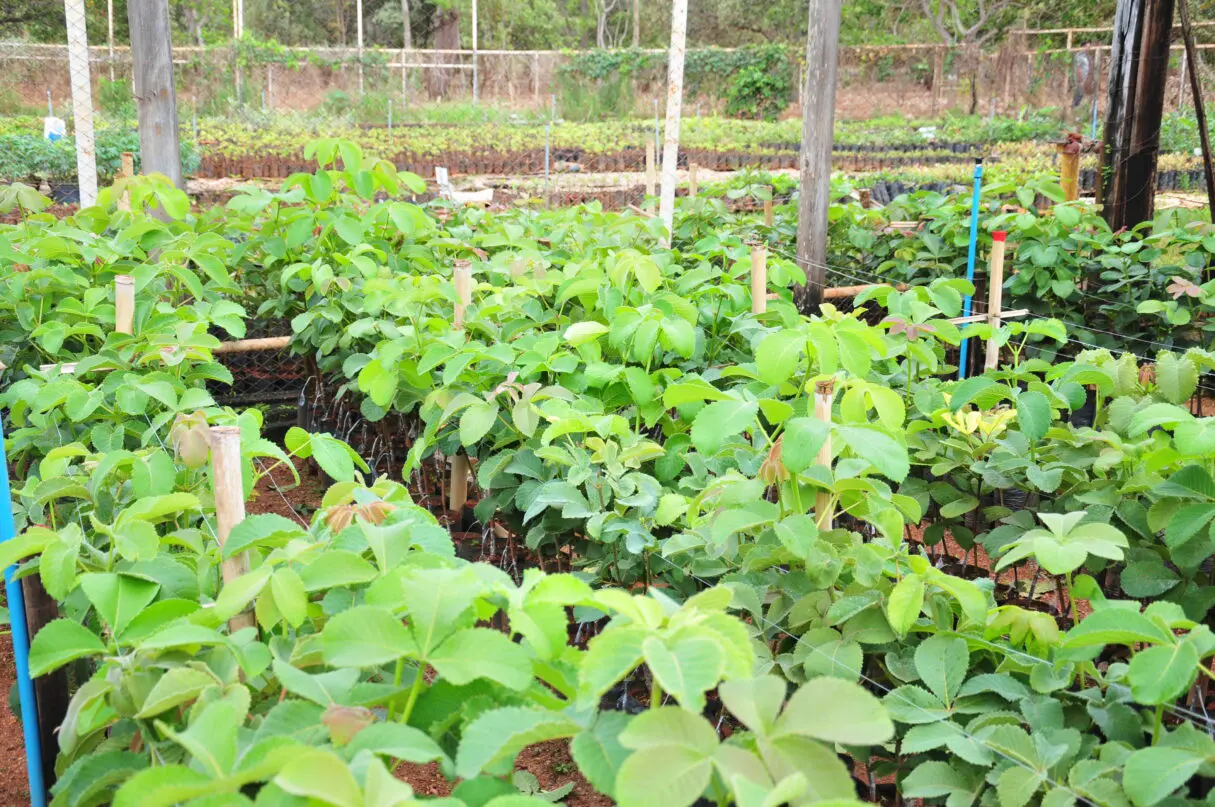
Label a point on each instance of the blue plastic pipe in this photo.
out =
(970, 259)
(21, 645)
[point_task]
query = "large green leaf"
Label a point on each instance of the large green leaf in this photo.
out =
(598, 751)
(801, 442)
(118, 598)
(483, 653)
(719, 421)
(877, 448)
(323, 776)
(685, 667)
(177, 686)
(777, 355)
(1033, 415)
(1151, 774)
(59, 642)
(501, 733)
(1161, 674)
(365, 636)
(836, 711)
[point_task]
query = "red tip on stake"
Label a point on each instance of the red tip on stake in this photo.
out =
(999, 235)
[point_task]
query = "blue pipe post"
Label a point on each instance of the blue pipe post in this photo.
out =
(970, 260)
(21, 645)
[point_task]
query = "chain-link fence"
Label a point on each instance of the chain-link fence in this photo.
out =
(1060, 68)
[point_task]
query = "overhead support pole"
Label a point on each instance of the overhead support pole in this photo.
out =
(670, 146)
(358, 10)
(1139, 65)
(476, 61)
(82, 100)
(818, 123)
(152, 56)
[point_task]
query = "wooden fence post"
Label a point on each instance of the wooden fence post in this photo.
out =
(462, 275)
(995, 297)
(692, 180)
(824, 394)
(124, 304)
(759, 279)
(768, 213)
(229, 506)
(649, 165)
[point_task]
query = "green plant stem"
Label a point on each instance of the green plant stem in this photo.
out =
(1159, 724)
(655, 691)
(397, 675)
(414, 691)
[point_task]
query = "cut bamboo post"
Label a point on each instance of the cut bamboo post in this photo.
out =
(866, 198)
(128, 171)
(229, 506)
(124, 304)
(458, 489)
(253, 345)
(1069, 173)
(462, 275)
(650, 179)
(692, 168)
(824, 394)
(995, 297)
(768, 213)
(759, 279)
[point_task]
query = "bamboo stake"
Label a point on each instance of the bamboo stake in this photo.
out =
(649, 166)
(767, 212)
(1069, 174)
(458, 489)
(995, 297)
(824, 394)
(229, 505)
(253, 345)
(692, 167)
(759, 279)
(124, 304)
(128, 171)
(462, 276)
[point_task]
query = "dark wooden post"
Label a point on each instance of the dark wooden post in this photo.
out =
(1139, 62)
(818, 122)
(152, 56)
(1200, 113)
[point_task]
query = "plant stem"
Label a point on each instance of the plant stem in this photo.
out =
(413, 693)
(396, 682)
(655, 691)
(1159, 723)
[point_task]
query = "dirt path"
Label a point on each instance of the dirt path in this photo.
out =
(14, 782)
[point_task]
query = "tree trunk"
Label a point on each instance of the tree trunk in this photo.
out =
(406, 26)
(447, 37)
(636, 23)
(1139, 61)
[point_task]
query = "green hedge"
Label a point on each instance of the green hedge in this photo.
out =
(26, 157)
